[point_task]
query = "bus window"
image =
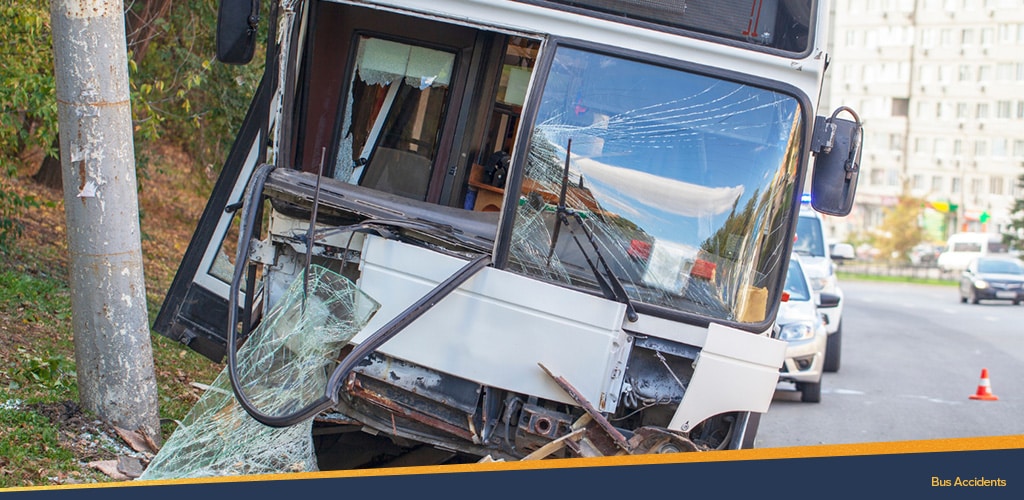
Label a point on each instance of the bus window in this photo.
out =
(486, 184)
(397, 102)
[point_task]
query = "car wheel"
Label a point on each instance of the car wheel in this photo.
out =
(833, 350)
(973, 297)
(810, 393)
(963, 298)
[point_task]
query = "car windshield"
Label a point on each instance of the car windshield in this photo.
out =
(682, 182)
(991, 266)
(808, 237)
(796, 285)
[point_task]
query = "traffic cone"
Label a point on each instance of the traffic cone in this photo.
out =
(984, 389)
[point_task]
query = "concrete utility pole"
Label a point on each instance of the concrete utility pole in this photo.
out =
(113, 355)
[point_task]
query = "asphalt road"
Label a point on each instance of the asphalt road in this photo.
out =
(912, 355)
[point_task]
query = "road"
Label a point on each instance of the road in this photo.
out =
(912, 354)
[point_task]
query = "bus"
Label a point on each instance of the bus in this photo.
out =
(566, 224)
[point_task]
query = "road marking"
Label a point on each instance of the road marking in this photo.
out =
(935, 400)
(846, 391)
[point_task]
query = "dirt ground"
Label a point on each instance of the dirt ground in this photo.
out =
(171, 199)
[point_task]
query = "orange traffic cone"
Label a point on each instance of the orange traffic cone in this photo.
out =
(984, 389)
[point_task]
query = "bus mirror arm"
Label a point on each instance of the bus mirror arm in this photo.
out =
(836, 144)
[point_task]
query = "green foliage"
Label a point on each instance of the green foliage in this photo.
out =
(900, 229)
(1014, 236)
(52, 372)
(28, 110)
(179, 90)
(179, 93)
(11, 206)
(29, 116)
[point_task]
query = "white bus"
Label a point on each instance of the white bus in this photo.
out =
(573, 218)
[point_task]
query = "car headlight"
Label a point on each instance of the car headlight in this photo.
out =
(797, 331)
(979, 284)
(825, 283)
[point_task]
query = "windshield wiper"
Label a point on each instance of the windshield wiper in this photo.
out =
(610, 285)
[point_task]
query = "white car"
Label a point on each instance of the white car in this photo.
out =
(802, 326)
(817, 257)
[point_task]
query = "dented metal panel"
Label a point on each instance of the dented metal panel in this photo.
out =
(497, 319)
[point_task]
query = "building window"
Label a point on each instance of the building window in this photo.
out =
(984, 73)
(995, 185)
(954, 186)
(900, 106)
(980, 148)
(928, 38)
(976, 186)
(940, 147)
(877, 176)
(982, 111)
(937, 183)
(1018, 148)
(1004, 72)
(958, 147)
(999, 147)
(893, 177)
(1007, 32)
(917, 182)
(920, 144)
(967, 36)
(925, 74)
(961, 110)
(946, 37)
(964, 73)
(895, 142)
(1003, 109)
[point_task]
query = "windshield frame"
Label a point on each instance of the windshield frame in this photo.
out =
(543, 69)
(812, 28)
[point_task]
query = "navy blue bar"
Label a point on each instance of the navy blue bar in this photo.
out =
(968, 474)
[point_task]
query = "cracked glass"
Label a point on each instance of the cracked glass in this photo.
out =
(680, 183)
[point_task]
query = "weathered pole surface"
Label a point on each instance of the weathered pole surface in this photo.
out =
(113, 354)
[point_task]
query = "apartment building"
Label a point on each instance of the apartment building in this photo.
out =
(939, 85)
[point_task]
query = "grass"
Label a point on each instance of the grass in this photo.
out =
(30, 451)
(45, 438)
(894, 279)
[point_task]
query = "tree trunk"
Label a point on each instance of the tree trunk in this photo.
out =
(141, 27)
(49, 173)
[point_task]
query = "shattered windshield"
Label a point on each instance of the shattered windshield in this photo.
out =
(680, 182)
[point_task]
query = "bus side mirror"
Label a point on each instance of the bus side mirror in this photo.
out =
(836, 144)
(237, 21)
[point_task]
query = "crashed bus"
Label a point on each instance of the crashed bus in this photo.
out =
(569, 220)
